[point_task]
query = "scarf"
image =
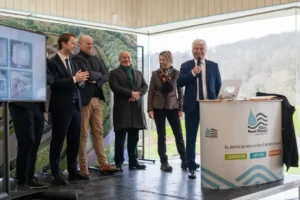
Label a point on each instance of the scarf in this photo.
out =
(165, 75)
(129, 74)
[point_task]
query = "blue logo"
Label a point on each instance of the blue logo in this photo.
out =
(258, 124)
(213, 133)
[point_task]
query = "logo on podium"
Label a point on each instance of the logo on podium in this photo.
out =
(213, 133)
(258, 124)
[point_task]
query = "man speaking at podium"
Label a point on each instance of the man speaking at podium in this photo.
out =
(202, 80)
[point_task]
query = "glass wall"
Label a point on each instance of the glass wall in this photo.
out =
(262, 50)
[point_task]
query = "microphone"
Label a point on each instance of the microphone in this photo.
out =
(198, 61)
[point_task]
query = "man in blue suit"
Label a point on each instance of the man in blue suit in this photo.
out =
(202, 80)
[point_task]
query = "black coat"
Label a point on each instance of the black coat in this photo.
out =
(127, 114)
(290, 149)
(97, 72)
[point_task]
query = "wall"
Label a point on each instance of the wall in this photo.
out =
(136, 13)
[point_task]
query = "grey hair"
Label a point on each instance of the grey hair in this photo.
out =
(199, 41)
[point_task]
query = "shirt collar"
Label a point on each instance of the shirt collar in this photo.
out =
(62, 57)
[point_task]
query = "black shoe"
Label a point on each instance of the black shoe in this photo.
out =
(59, 180)
(22, 187)
(192, 174)
(184, 165)
(166, 167)
(34, 183)
(137, 166)
(119, 166)
(77, 176)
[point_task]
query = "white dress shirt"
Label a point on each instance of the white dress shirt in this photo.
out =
(63, 59)
(203, 70)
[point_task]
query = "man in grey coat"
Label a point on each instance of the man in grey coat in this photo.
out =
(129, 87)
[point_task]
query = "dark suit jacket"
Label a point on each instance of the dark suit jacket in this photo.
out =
(50, 78)
(63, 90)
(158, 100)
(127, 114)
(289, 141)
(97, 73)
(186, 78)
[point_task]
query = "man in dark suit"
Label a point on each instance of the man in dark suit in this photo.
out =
(128, 86)
(65, 105)
(28, 121)
(202, 80)
(91, 112)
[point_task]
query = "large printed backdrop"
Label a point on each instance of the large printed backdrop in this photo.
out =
(108, 45)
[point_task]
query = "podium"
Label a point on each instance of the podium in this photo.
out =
(241, 143)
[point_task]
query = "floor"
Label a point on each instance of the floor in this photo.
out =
(152, 184)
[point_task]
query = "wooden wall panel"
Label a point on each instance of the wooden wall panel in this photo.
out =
(218, 7)
(9, 5)
(225, 6)
(276, 2)
(31, 5)
(176, 10)
(246, 4)
(180, 10)
(260, 3)
(252, 4)
(47, 5)
(205, 8)
(137, 13)
(24, 5)
(231, 6)
(268, 2)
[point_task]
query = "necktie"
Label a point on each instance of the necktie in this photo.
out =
(201, 95)
(69, 68)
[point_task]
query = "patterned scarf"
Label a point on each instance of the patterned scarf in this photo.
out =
(165, 75)
(129, 73)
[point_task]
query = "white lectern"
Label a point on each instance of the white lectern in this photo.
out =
(241, 143)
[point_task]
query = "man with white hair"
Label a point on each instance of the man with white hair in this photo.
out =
(202, 80)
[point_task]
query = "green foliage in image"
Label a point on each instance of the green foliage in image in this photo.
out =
(108, 46)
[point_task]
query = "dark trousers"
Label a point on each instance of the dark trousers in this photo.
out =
(160, 116)
(29, 126)
(65, 124)
(192, 121)
(132, 141)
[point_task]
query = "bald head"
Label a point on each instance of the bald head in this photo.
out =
(125, 58)
(86, 44)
